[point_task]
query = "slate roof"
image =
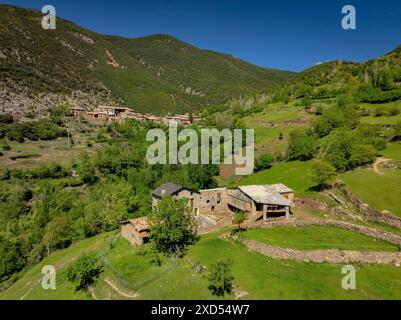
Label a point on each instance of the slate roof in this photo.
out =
(167, 189)
(265, 195)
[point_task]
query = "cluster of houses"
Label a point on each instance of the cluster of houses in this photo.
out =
(106, 114)
(261, 202)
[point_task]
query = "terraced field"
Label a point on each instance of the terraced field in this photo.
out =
(318, 237)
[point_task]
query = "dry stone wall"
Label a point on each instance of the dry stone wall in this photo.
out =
(327, 256)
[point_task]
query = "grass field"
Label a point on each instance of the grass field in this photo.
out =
(381, 120)
(380, 191)
(295, 174)
(35, 153)
(256, 276)
(393, 151)
(318, 237)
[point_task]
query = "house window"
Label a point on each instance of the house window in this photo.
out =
(212, 208)
(218, 198)
(208, 201)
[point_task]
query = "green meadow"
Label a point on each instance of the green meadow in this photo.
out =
(381, 191)
(255, 276)
(295, 174)
(318, 237)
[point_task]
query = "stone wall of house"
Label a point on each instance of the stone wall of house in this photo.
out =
(128, 232)
(369, 212)
(211, 201)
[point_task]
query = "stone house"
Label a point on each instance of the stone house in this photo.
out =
(174, 190)
(261, 201)
(136, 231)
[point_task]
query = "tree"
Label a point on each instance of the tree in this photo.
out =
(322, 173)
(11, 259)
(239, 218)
(220, 278)
(302, 145)
(84, 271)
(337, 148)
(58, 233)
(172, 226)
(86, 170)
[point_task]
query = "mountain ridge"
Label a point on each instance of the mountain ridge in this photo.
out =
(158, 73)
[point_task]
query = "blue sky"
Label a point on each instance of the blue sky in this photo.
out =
(285, 34)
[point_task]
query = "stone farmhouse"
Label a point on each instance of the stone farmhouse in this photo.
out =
(261, 202)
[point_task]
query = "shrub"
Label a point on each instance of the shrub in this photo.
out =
(264, 162)
(239, 218)
(11, 259)
(6, 118)
(53, 170)
(362, 154)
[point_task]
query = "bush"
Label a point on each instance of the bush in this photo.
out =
(239, 218)
(6, 118)
(6, 148)
(220, 278)
(264, 162)
(84, 271)
(361, 155)
(53, 170)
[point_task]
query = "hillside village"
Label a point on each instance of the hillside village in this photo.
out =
(106, 114)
